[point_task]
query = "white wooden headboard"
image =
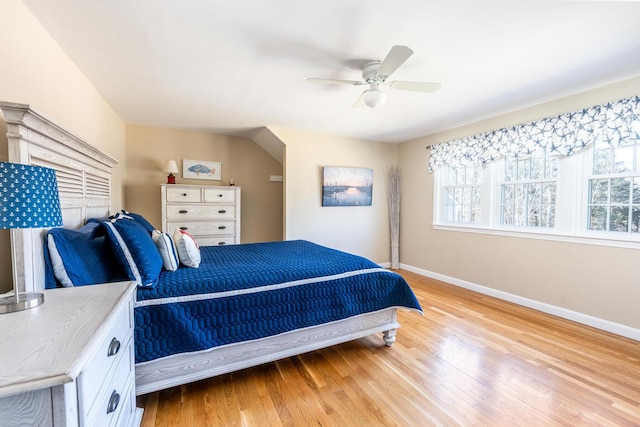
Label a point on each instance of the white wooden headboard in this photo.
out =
(84, 183)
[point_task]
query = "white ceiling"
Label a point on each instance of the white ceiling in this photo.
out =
(232, 66)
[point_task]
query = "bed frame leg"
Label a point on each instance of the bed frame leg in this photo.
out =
(389, 337)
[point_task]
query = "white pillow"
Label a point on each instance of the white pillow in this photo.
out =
(167, 249)
(188, 250)
(56, 261)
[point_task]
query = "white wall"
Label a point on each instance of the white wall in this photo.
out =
(363, 230)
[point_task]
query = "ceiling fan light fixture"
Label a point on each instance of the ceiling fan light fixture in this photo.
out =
(374, 97)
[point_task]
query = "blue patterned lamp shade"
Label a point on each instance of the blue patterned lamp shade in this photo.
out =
(28, 197)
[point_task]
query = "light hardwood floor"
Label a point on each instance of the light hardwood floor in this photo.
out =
(471, 360)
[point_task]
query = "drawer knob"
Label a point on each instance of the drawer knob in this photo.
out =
(221, 243)
(222, 227)
(184, 194)
(114, 347)
(184, 228)
(114, 400)
(222, 211)
(183, 211)
(220, 195)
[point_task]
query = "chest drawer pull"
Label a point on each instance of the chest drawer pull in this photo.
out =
(222, 211)
(114, 347)
(184, 228)
(114, 400)
(220, 195)
(184, 194)
(183, 211)
(221, 243)
(222, 227)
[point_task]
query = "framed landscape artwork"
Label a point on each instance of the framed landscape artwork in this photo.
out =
(201, 169)
(347, 186)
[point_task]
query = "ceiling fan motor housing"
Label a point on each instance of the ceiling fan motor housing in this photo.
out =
(370, 72)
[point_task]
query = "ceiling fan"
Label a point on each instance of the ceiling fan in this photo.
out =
(375, 74)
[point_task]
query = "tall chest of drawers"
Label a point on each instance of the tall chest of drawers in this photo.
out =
(211, 214)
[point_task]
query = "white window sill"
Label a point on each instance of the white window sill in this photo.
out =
(599, 239)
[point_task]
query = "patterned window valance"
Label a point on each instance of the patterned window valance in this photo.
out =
(566, 134)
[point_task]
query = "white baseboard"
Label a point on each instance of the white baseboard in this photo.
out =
(605, 325)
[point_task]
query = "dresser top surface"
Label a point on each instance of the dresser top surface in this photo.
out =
(230, 187)
(47, 345)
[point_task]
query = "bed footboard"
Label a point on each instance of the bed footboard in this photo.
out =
(185, 368)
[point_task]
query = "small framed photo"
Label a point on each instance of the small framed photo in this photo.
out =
(201, 169)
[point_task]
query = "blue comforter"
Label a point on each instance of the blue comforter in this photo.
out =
(249, 291)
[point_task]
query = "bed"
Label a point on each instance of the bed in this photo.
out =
(242, 306)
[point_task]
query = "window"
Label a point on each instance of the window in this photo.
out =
(528, 191)
(462, 189)
(614, 188)
(576, 175)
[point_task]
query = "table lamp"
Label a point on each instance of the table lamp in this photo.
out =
(171, 167)
(28, 199)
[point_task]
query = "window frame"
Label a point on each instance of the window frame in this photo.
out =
(571, 207)
(502, 181)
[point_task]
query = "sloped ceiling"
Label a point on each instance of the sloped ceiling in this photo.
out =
(234, 67)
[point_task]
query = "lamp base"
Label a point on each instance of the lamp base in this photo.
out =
(22, 301)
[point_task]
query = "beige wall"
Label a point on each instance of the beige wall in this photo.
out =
(35, 71)
(363, 230)
(594, 280)
(148, 149)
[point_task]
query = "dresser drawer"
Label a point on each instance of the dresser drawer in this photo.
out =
(110, 352)
(219, 195)
(127, 409)
(196, 212)
(217, 241)
(196, 229)
(187, 195)
(115, 396)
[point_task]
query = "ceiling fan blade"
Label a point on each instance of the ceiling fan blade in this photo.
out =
(415, 86)
(395, 58)
(360, 102)
(334, 81)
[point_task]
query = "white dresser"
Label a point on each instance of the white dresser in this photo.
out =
(211, 214)
(70, 361)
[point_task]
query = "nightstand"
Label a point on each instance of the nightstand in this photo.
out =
(70, 361)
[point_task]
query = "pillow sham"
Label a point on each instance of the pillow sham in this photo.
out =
(135, 250)
(188, 250)
(140, 220)
(167, 249)
(77, 260)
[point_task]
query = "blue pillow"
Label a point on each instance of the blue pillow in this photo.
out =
(137, 218)
(135, 250)
(73, 258)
